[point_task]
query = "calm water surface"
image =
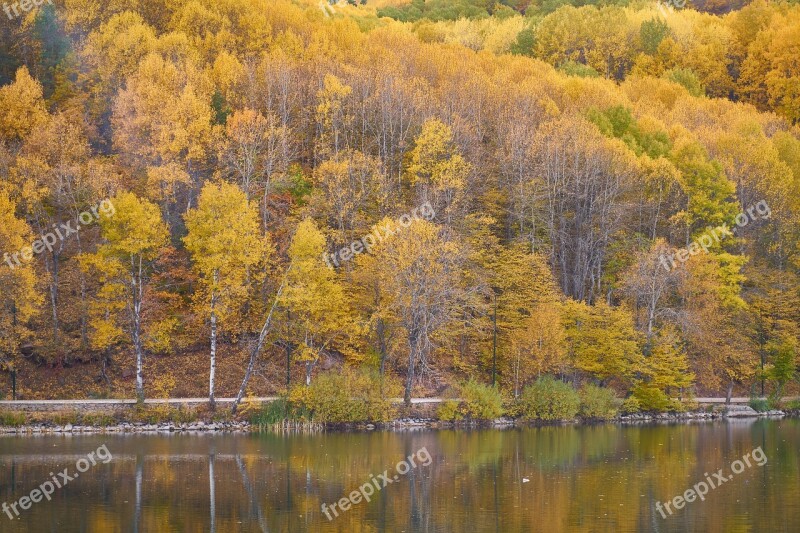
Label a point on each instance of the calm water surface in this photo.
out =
(595, 478)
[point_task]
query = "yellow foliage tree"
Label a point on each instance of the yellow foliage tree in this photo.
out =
(223, 238)
(21, 107)
(417, 273)
(135, 236)
(19, 299)
(602, 341)
(438, 170)
(315, 298)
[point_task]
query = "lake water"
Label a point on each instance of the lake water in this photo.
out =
(590, 478)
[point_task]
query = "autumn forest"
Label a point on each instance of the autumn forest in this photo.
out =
(222, 197)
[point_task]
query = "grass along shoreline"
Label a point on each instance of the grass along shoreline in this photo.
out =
(280, 416)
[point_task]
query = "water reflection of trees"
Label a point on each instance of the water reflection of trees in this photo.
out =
(592, 478)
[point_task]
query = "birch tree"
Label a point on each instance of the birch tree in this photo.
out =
(224, 242)
(134, 237)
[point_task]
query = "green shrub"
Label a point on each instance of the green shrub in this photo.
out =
(688, 79)
(651, 398)
(760, 404)
(477, 402)
(598, 402)
(549, 399)
(512, 407)
(631, 405)
(272, 413)
(573, 68)
(686, 404)
(793, 405)
(221, 415)
(183, 415)
(481, 402)
(347, 395)
(523, 45)
(11, 418)
(62, 418)
(97, 419)
(449, 410)
(149, 414)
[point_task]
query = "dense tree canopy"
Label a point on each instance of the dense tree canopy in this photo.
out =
(576, 158)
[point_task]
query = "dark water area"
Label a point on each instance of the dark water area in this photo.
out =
(575, 478)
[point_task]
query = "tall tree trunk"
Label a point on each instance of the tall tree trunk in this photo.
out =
(84, 321)
(409, 381)
(137, 343)
(136, 282)
(380, 330)
(84, 305)
(413, 345)
(54, 297)
(212, 371)
(106, 360)
(257, 348)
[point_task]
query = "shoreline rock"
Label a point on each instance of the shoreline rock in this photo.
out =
(401, 424)
(131, 427)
